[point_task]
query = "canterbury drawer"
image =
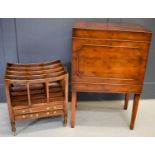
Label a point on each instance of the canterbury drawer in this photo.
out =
(39, 114)
(37, 109)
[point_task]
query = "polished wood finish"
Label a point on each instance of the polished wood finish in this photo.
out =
(36, 90)
(110, 58)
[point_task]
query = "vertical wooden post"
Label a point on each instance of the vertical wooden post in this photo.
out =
(74, 100)
(47, 91)
(28, 93)
(66, 99)
(134, 110)
(127, 96)
(12, 119)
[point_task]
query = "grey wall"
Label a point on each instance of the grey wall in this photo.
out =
(35, 40)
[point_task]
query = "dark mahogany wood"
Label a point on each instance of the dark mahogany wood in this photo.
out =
(110, 58)
(36, 90)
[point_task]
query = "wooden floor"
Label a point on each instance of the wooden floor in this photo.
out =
(94, 118)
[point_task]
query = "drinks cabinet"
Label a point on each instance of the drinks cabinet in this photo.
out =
(109, 58)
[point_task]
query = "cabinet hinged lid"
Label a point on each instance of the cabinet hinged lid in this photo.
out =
(111, 26)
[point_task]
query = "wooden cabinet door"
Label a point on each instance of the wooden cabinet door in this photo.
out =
(109, 61)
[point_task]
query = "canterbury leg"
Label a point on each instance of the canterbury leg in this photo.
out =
(134, 110)
(65, 115)
(127, 96)
(13, 127)
(66, 101)
(11, 115)
(74, 97)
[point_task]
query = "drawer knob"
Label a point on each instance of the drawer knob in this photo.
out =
(23, 111)
(54, 107)
(47, 113)
(31, 116)
(23, 116)
(30, 110)
(54, 112)
(47, 108)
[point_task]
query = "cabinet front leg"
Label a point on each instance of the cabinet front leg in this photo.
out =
(73, 112)
(134, 110)
(127, 96)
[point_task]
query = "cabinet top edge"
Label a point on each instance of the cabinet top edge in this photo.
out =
(111, 26)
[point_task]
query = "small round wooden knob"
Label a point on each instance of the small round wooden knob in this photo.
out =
(31, 115)
(54, 107)
(47, 113)
(23, 116)
(23, 111)
(47, 108)
(37, 115)
(54, 112)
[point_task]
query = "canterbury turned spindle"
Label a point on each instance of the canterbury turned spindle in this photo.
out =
(110, 58)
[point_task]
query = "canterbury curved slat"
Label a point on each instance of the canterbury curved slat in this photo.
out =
(35, 81)
(20, 88)
(37, 96)
(33, 64)
(31, 77)
(36, 72)
(33, 68)
(37, 101)
(37, 91)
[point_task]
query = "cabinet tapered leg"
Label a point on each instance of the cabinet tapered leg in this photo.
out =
(127, 96)
(134, 110)
(74, 98)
